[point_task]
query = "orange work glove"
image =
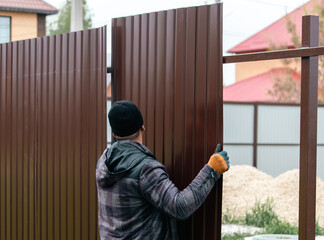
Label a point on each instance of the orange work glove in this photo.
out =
(219, 161)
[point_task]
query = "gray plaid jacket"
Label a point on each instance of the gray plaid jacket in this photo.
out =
(137, 200)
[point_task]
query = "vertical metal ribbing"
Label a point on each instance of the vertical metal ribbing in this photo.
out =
(179, 62)
(45, 111)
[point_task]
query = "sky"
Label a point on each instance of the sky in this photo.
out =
(241, 18)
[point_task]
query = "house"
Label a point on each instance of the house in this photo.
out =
(263, 73)
(255, 88)
(23, 19)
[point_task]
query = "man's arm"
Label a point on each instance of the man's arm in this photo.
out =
(159, 190)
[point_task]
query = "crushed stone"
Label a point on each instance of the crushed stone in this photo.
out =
(244, 185)
(230, 229)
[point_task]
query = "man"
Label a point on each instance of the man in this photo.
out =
(137, 200)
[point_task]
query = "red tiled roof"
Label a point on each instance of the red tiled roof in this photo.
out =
(276, 33)
(35, 6)
(255, 89)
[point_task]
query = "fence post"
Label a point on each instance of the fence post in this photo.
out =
(219, 115)
(308, 130)
(255, 134)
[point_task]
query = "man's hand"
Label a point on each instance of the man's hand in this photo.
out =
(219, 161)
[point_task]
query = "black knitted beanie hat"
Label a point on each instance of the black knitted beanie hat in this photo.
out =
(125, 118)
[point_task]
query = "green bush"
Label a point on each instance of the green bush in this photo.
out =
(261, 215)
(264, 216)
(281, 227)
(229, 218)
(318, 229)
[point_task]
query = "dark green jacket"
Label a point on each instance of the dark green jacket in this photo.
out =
(137, 200)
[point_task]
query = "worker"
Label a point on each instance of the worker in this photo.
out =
(137, 200)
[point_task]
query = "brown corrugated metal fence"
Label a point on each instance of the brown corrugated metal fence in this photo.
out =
(53, 129)
(170, 64)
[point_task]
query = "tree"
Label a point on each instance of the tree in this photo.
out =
(285, 89)
(63, 22)
(288, 90)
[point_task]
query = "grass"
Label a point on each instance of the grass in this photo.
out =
(236, 236)
(263, 216)
(229, 218)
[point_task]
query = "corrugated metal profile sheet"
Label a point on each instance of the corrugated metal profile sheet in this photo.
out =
(53, 130)
(170, 64)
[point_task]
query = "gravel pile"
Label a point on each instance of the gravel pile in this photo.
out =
(230, 229)
(244, 185)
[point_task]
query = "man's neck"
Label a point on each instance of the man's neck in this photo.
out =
(138, 139)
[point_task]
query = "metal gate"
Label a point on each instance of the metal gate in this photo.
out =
(52, 131)
(170, 64)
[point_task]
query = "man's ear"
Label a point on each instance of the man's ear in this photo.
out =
(114, 135)
(143, 128)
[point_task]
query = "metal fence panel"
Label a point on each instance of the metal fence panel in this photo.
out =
(240, 154)
(320, 162)
(320, 126)
(278, 131)
(53, 130)
(238, 123)
(288, 159)
(278, 124)
(275, 160)
(170, 64)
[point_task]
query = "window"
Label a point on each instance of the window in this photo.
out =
(5, 29)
